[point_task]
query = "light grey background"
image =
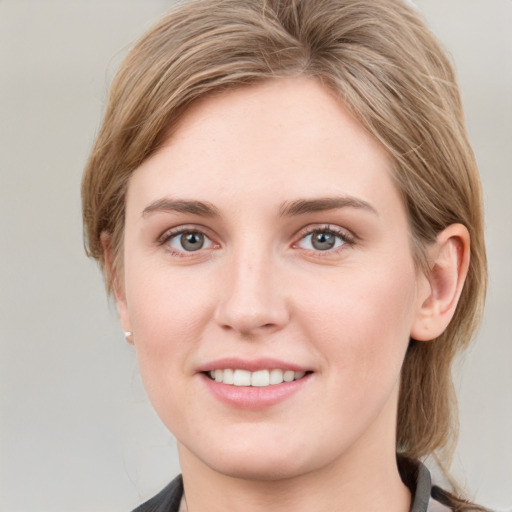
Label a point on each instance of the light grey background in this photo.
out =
(76, 430)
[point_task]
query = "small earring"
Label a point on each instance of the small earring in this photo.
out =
(128, 334)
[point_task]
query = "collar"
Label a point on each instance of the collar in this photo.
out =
(416, 477)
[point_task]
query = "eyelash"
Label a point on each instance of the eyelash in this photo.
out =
(173, 233)
(345, 238)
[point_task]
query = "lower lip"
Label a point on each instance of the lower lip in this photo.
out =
(252, 397)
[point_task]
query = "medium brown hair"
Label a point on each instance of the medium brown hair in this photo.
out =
(387, 68)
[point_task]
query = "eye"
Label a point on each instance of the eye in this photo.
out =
(188, 241)
(323, 239)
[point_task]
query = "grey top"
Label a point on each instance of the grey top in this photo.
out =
(414, 474)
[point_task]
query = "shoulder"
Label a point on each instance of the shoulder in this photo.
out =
(167, 500)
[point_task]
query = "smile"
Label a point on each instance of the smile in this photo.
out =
(260, 378)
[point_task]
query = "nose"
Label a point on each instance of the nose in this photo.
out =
(252, 298)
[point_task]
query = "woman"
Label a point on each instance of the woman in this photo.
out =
(288, 213)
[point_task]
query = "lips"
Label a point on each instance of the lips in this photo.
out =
(253, 384)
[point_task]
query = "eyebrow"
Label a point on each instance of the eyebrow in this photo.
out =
(305, 206)
(166, 204)
(287, 209)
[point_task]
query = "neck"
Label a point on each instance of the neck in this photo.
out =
(352, 487)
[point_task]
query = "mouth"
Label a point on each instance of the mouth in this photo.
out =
(260, 378)
(254, 384)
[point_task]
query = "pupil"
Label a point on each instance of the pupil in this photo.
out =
(323, 241)
(192, 241)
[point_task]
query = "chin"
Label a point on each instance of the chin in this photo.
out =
(260, 468)
(260, 460)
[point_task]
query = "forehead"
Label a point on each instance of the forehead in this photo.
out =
(277, 139)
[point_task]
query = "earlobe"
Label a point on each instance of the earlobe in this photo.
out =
(112, 274)
(442, 285)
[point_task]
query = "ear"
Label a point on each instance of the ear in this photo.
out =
(439, 290)
(112, 274)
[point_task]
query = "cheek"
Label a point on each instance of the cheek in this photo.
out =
(168, 316)
(362, 320)
(168, 311)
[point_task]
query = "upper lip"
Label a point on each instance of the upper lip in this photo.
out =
(252, 365)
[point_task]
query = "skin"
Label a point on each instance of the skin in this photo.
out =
(259, 288)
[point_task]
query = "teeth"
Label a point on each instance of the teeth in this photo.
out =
(276, 376)
(260, 378)
(240, 377)
(228, 377)
(288, 375)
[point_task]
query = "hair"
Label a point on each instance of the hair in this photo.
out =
(387, 68)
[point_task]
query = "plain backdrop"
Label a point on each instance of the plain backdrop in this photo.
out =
(76, 430)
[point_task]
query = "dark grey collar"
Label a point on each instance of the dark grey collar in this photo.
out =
(422, 492)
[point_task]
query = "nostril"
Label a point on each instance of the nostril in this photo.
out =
(251, 313)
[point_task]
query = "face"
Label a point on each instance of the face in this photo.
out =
(269, 283)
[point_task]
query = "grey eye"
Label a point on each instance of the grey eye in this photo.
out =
(321, 241)
(192, 241)
(189, 241)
